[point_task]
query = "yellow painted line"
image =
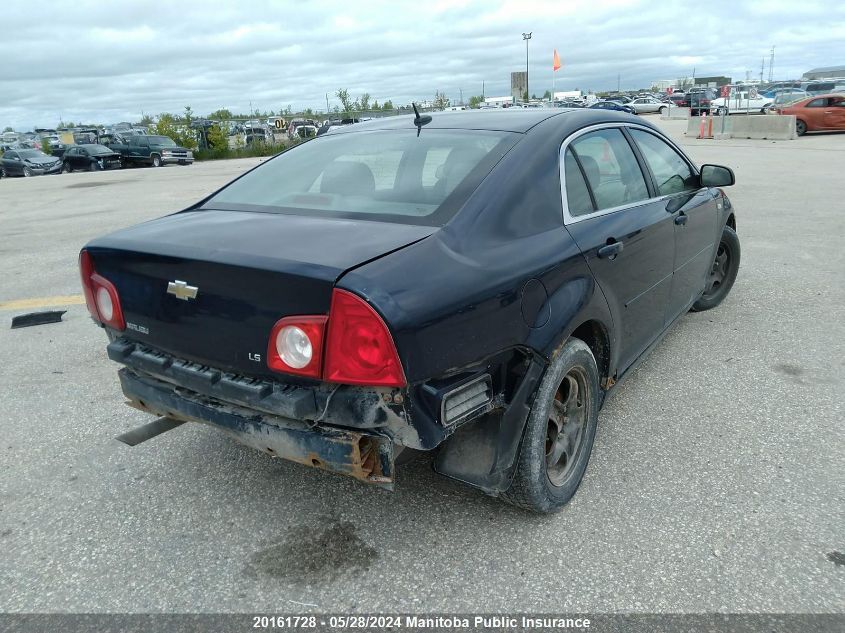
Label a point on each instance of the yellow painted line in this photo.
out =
(42, 302)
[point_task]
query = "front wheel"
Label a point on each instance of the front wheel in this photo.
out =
(723, 273)
(156, 160)
(93, 166)
(559, 434)
(663, 111)
(66, 168)
(27, 172)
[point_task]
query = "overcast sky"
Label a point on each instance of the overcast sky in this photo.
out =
(107, 60)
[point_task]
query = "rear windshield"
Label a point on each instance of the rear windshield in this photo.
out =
(98, 149)
(162, 140)
(393, 176)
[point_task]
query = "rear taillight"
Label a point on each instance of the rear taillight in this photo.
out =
(296, 345)
(100, 295)
(360, 350)
(351, 346)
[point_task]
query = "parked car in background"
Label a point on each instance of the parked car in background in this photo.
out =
(153, 150)
(783, 99)
(817, 113)
(679, 99)
(740, 101)
(28, 162)
(819, 87)
(774, 92)
(297, 122)
(700, 100)
(647, 105)
(305, 131)
(612, 105)
(258, 134)
(412, 288)
(90, 157)
(568, 104)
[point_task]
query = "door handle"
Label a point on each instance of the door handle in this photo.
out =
(611, 250)
(681, 219)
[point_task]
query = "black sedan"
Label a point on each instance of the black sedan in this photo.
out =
(28, 162)
(613, 105)
(89, 157)
(475, 282)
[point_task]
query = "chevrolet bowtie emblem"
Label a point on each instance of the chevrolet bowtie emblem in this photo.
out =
(181, 290)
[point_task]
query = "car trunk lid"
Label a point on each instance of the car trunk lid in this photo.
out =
(248, 269)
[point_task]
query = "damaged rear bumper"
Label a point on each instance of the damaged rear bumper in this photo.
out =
(365, 456)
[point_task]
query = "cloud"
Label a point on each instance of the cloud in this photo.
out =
(110, 61)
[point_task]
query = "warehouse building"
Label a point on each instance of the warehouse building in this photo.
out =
(828, 72)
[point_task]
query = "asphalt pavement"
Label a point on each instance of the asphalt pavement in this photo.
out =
(717, 481)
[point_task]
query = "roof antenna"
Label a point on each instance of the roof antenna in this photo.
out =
(420, 120)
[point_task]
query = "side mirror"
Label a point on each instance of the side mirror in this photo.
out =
(717, 176)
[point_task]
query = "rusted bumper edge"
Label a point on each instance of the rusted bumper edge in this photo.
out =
(364, 456)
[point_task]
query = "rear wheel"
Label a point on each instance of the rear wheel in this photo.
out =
(800, 127)
(722, 274)
(559, 434)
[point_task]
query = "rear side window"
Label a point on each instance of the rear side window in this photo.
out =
(393, 176)
(671, 172)
(578, 199)
(816, 103)
(612, 171)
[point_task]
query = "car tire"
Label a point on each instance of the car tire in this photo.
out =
(663, 110)
(2, 173)
(66, 168)
(93, 166)
(723, 274)
(800, 127)
(155, 160)
(27, 172)
(552, 460)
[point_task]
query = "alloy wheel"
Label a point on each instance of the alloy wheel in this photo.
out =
(566, 427)
(721, 266)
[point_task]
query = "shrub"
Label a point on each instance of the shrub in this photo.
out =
(243, 151)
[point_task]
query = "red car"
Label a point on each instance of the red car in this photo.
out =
(679, 100)
(817, 113)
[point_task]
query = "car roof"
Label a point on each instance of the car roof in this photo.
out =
(825, 95)
(504, 120)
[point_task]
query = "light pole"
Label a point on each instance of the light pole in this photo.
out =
(526, 37)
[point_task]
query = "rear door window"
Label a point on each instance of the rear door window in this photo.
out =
(612, 170)
(578, 199)
(672, 173)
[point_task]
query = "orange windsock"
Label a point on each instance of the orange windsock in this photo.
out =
(556, 61)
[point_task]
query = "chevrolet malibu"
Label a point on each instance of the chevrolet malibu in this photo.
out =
(470, 282)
